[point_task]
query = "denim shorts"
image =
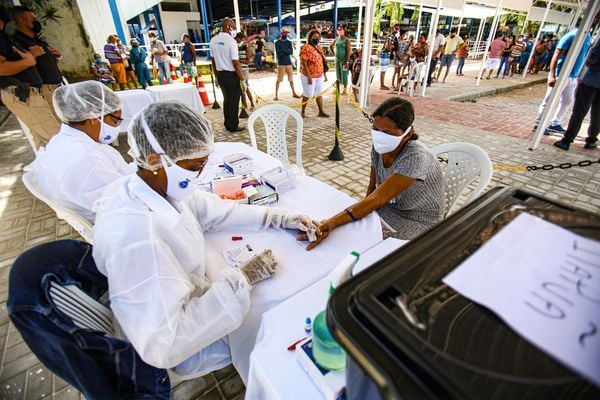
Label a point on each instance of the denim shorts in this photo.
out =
(447, 60)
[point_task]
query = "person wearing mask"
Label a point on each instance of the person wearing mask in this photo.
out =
(388, 53)
(341, 48)
(587, 97)
(406, 187)
(493, 60)
(173, 307)
(188, 57)
(515, 56)
(438, 47)
(22, 88)
(244, 59)
(129, 71)
(526, 53)
(313, 71)
(566, 96)
(505, 56)
(115, 58)
(420, 49)
(225, 61)
(399, 59)
(101, 71)
(462, 53)
(137, 57)
(161, 58)
(258, 53)
(284, 50)
(78, 163)
(449, 50)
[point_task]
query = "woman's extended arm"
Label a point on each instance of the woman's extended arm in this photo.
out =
(390, 188)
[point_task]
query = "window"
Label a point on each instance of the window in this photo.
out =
(175, 6)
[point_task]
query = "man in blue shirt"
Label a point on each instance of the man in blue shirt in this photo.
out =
(586, 97)
(566, 97)
(284, 51)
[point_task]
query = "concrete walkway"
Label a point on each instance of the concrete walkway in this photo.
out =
(26, 222)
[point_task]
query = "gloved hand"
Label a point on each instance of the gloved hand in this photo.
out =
(278, 218)
(259, 267)
(303, 223)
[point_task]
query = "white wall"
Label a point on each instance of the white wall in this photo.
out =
(174, 23)
(130, 8)
(98, 22)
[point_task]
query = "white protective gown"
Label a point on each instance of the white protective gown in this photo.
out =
(74, 170)
(174, 309)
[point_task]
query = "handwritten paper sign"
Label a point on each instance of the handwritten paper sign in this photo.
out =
(543, 281)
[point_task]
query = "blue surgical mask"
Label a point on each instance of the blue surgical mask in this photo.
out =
(98, 60)
(284, 37)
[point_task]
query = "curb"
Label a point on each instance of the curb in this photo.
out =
(493, 91)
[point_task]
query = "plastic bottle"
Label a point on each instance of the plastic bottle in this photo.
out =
(326, 350)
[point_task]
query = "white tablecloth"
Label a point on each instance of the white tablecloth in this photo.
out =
(183, 92)
(275, 374)
(297, 267)
(133, 101)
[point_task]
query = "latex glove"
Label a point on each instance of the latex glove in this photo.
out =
(303, 223)
(259, 267)
(280, 219)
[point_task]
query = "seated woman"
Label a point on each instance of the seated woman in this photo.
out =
(78, 162)
(101, 71)
(149, 241)
(406, 186)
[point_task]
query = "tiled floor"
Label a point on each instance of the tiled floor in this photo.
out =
(25, 221)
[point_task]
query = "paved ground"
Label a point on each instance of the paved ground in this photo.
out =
(498, 124)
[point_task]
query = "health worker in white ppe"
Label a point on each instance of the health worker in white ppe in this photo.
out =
(78, 162)
(149, 241)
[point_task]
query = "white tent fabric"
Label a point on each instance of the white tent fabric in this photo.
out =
(554, 17)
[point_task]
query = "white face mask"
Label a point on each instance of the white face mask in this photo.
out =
(108, 133)
(386, 143)
(234, 33)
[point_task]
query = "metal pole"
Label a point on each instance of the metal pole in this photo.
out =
(215, 105)
(360, 10)
(432, 29)
(366, 53)
(575, 18)
(335, 17)
(462, 14)
(278, 16)
(206, 34)
(492, 34)
(525, 23)
(419, 21)
(568, 64)
(537, 38)
(297, 50)
(236, 12)
(114, 10)
(336, 153)
(451, 22)
(479, 33)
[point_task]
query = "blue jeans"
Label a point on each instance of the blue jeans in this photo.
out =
(99, 366)
(258, 60)
(143, 74)
(164, 72)
(503, 63)
(461, 64)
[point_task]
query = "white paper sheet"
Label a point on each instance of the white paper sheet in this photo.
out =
(544, 281)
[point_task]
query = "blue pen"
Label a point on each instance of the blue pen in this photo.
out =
(307, 325)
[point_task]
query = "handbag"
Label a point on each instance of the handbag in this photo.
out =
(325, 66)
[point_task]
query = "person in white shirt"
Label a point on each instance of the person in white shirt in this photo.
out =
(438, 42)
(78, 162)
(225, 61)
(173, 307)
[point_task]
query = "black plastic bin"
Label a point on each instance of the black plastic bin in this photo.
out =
(465, 350)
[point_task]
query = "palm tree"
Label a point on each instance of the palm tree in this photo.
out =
(385, 8)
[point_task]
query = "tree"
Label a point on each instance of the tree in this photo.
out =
(392, 10)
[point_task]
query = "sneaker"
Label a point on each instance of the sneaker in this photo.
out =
(534, 128)
(557, 128)
(591, 145)
(562, 145)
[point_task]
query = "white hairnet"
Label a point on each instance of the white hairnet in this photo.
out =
(84, 100)
(180, 132)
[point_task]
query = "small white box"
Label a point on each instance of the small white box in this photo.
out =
(279, 179)
(332, 384)
(263, 196)
(238, 163)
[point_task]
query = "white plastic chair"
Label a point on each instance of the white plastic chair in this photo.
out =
(416, 78)
(274, 118)
(78, 222)
(372, 73)
(466, 163)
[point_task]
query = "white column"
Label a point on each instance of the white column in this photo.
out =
(236, 12)
(462, 14)
(360, 8)
(568, 63)
(298, 43)
(525, 24)
(492, 34)
(366, 52)
(432, 29)
(479, 33)
(537, 37)
(419, 21)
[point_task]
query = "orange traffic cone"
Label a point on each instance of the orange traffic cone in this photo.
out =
(173, 74)
(202, 91)
(186, 78)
